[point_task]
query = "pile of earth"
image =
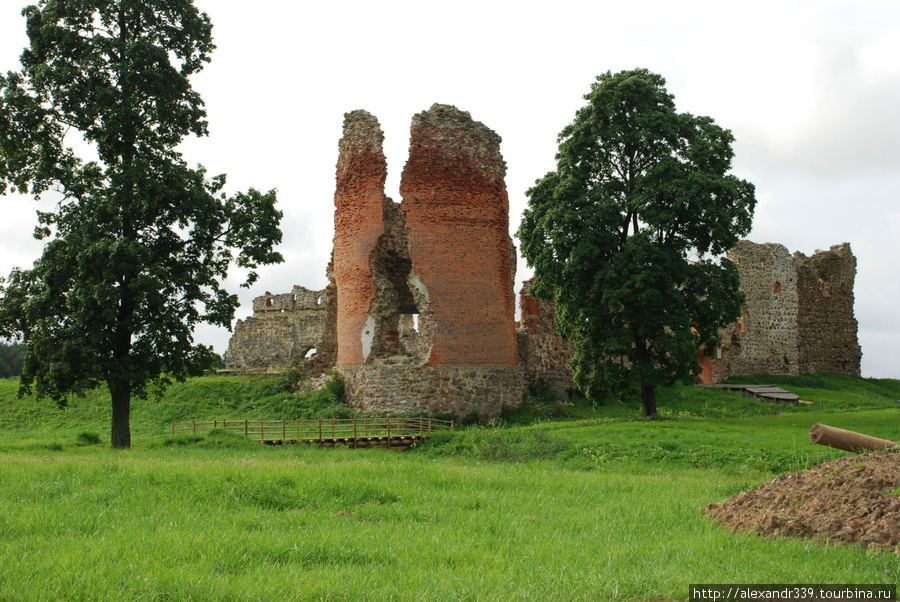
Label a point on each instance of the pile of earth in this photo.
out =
(848, 500)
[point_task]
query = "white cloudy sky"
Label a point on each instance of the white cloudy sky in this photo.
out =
(811, 90)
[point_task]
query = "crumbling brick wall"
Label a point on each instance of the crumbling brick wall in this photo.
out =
(544, 354)
(426, 284)
(283, 327)
(827, 328)
(457, 212)
(359, 201)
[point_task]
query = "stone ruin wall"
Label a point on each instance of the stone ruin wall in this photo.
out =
(798, 316)
(283, 327)
(418, 314)
(827, 329)
(764, 340)
(544, 354)
(442, 255)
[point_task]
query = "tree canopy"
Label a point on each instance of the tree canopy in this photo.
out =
(138, 243)
(627, 236)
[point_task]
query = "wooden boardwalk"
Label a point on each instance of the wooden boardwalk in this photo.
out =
(768, 393)
(394, 433)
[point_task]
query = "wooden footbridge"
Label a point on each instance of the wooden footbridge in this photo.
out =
(769, 393)
(393, 433)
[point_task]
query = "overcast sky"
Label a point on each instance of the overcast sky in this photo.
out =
(811, 91)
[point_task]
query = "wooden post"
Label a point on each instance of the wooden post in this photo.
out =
(389, 431)
(262, 430)
(320, 430)
(173, 428)
(245, 428)
(194, 426)
(354, 433)
(845, 440)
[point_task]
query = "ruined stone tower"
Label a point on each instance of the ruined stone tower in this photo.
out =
(425, 303)
(797, 317)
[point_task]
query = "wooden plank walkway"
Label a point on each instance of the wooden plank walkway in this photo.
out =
(394, 433)
(768, 393)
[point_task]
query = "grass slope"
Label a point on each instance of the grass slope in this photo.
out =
(560, 502)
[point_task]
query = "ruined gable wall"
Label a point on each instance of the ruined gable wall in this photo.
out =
(764, 341)
(544, 355)
(827, 328)
(457, 213)
(283, 327)
(358, 222)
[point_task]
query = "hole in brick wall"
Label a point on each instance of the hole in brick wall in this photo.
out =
(310, 353)
(777, 290)
(269, 302)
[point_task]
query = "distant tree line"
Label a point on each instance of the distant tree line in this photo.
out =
(12, 356)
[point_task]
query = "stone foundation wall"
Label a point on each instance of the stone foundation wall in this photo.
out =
(447, 390)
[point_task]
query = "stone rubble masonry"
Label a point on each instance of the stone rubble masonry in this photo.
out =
(544, 354)
(282, 327)
(443, 390)
(797, 318)
(766, 341)
(826, 328)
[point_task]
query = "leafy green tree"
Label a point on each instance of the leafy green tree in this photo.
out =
(627, 236)
(139, 242)
(12, 356)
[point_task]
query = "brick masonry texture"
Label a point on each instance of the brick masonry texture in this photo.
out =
(358, 222)
(443, 254)
(457, 212)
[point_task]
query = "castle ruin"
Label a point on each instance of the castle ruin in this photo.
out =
(283, 327)
(797, 317)
(419, 312)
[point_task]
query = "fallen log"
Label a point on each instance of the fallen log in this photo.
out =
(845, 440)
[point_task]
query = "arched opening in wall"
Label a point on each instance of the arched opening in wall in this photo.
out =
(776, 291)
(269, 302)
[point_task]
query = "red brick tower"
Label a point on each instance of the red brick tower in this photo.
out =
(358, 222)
(457, 213)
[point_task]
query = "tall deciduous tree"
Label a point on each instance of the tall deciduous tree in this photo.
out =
(627, 236)
(139, 242)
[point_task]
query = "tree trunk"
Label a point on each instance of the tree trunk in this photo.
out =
(121, 415)
(845, 440)
(648, 401)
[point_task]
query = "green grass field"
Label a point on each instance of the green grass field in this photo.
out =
(589, 504)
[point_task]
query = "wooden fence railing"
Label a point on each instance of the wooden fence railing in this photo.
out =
(321, 430)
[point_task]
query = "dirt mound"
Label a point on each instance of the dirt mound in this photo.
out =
(848, 500)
